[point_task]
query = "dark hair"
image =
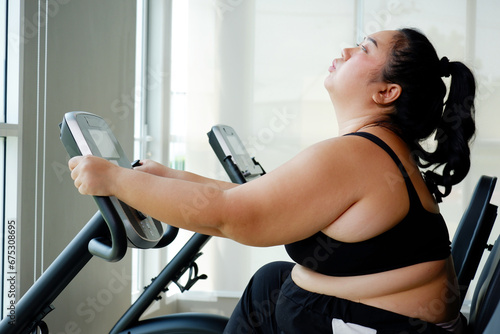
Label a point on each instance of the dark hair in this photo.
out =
(421, 111)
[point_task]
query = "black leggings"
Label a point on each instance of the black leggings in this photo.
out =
(273, 303)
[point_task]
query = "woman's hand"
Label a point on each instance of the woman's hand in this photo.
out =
(93, 175)
(153, 167)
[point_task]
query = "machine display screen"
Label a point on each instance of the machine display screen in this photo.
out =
(104, 144)
(238, 149)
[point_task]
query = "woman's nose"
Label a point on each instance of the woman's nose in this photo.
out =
(346, 53)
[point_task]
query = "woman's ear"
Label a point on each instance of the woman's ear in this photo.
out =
(388, 94)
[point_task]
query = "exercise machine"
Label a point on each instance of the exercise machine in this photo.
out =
(115, 227)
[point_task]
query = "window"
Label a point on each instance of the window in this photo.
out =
(178, 89)
(3, 63)
(140, 140)
(9, 79)
(159, 133)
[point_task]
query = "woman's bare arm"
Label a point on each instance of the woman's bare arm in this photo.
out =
(155, 168)
(288, 204)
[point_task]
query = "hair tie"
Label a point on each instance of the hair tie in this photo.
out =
(444, 67)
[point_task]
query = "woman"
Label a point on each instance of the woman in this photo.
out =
(372, 251)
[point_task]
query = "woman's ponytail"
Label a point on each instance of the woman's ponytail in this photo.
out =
(421, 111)
(454, 132)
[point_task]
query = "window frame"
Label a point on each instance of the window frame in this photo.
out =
(11, 49)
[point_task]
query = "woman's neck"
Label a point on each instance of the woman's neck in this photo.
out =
(353, 119)
(356, 124)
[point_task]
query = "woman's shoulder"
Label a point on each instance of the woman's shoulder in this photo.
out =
(354, 149)
(353, 162)
(341, 147)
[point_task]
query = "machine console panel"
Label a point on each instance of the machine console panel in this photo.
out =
(233, 155)
(84, 133)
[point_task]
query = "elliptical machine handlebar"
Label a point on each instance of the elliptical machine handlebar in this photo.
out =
(114, 247)
(83, 133)
(168, 236)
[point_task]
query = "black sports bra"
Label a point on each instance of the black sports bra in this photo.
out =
(421, 236)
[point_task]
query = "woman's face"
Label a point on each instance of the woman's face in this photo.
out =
(355, 74)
